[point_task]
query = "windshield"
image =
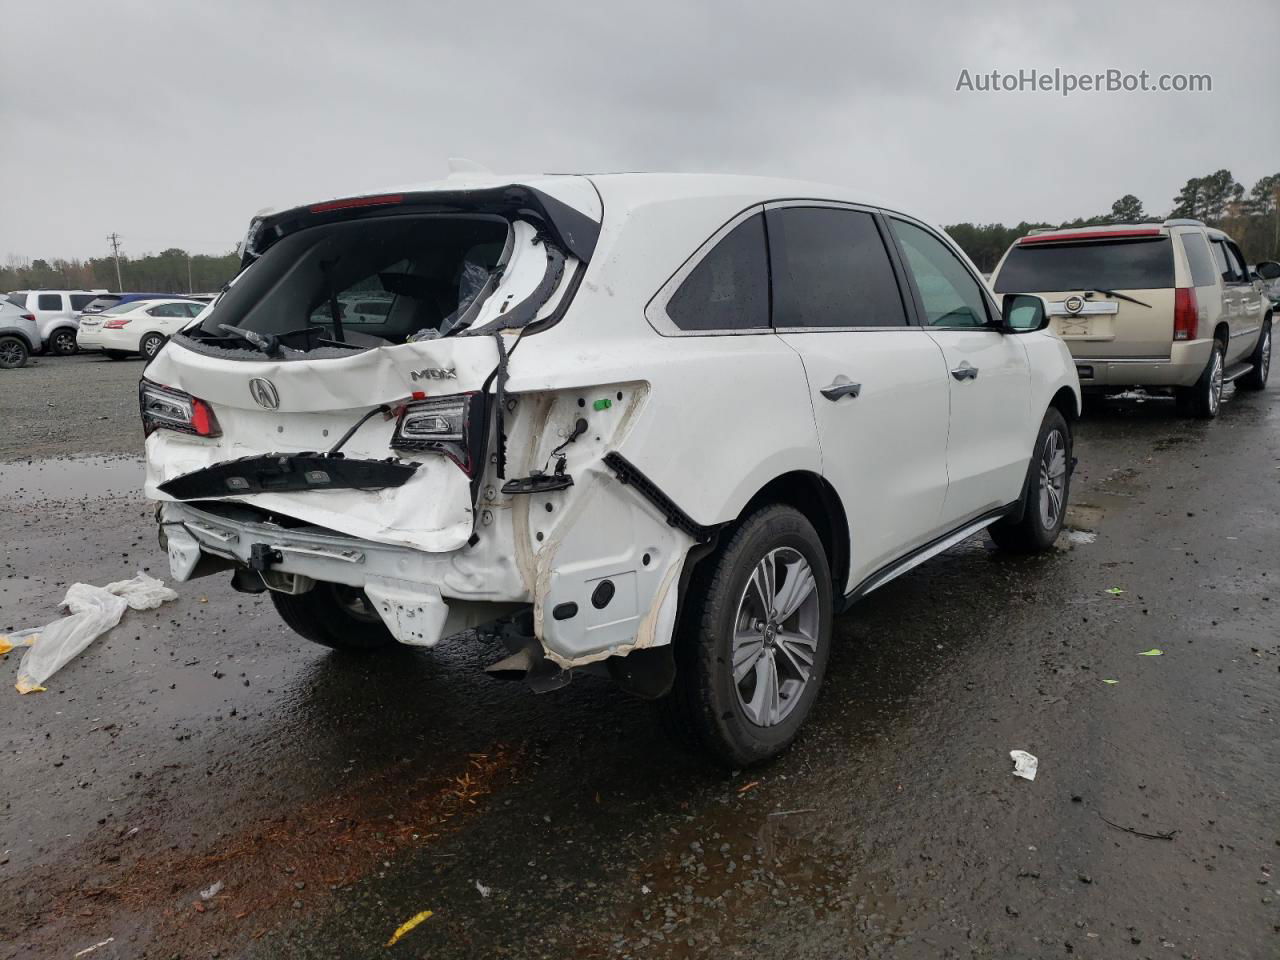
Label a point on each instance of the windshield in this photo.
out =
(1118, 265)
(388, 279)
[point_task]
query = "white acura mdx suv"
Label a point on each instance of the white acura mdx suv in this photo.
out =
(665, 426)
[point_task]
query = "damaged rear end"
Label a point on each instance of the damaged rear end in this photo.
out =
(340, 425)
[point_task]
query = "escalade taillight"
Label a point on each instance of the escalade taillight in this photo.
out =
(1185, 313)
(449, 425)
(170, 409)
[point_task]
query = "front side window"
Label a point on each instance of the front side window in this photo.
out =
(830, 269)
(1200, 260)
(1228, 267)
(1236, 259)
(949, 293)
(729, 288)
(49, 301)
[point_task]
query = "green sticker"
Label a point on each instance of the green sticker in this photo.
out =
(1110, 681)
(602, 404)
(1153, 652)
(1115, 591)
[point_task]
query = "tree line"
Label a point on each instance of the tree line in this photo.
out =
(1252, 218)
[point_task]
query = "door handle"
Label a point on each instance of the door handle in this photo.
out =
(841, 387)
(965, 371)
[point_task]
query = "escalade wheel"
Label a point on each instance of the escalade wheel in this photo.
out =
(1048, 485)
(1256, 379)
(334, 615)
(1204, 399)
(753, 639)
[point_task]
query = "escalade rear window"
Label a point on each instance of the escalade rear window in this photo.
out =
(390, 279)
(1117, 265)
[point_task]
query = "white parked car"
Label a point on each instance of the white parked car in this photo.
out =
(672, 425)
(142, 326)
(19, 336)
(57, 315)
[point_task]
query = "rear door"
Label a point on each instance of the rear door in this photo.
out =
(1242, 300)
(878, 383)
(991, 434)
(1110, 293)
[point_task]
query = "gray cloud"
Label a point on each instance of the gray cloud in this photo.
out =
(172, 123)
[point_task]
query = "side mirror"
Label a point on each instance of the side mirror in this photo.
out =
(1023, 313)
(1268, 270)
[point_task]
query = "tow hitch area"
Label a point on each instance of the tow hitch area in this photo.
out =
(282, 473)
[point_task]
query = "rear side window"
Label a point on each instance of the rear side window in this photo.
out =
(1117, 265)
(49, 301)
(830, 269)
(948, 291)
(729, 288)
(1203, 272)
(81, 300)
(169, 310)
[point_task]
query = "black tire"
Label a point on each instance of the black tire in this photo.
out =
(1205, 399)
(1256, 379)
(706, 704)
(62, 343)
(334, 615)
(1042, 518)
(13, 353)
(150, 345)
(116, 354)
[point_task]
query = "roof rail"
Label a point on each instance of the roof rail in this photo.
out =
(1184, 222)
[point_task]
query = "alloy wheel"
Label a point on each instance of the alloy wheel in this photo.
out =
(1266, 355)
(10, 353)
(1215, 382)
(64, 343)
(1053, 478)
(775, 638)
(151, 346)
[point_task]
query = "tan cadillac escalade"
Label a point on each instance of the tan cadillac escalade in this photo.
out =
(1169, 305)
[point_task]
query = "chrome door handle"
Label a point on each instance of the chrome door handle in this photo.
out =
(965, 371)
(841, 387)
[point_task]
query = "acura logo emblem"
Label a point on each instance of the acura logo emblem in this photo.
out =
(264, 393)
(1073, 304)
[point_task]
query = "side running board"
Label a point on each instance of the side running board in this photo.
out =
(628, 473)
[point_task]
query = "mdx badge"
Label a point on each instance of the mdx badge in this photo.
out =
(435, 373)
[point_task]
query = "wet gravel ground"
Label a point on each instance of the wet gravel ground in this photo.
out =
(334, 799)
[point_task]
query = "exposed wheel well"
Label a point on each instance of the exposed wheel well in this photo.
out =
(814, 497)
(1065, 401)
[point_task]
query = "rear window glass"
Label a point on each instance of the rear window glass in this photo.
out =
(1203, 273)
(1120, 265)
(729, 288)
(101, 303)
(423, 268)
(830, 269)
(81, 300)
(124, 307)
(18, 300)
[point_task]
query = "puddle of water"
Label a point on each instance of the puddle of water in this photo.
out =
(31, 481)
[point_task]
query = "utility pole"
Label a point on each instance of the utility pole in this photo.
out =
(115, 252)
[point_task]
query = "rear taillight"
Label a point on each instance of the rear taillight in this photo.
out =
(29, 316)
(169, 409)
(1185, 313)
(114, 324)
(448, 425)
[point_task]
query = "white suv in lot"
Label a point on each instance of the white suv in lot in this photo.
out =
(671, 425)
(57, 314)
(1159, 305)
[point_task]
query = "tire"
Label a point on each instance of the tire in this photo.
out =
(738, 722)
(335, 616)
(1046, 491)
(116, 354)
(13, 353)
(1256, 379)
(62, 343)
(151, 344)
(1205, 398)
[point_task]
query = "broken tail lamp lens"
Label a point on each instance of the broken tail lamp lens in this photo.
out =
(170, 409)
(447, 425)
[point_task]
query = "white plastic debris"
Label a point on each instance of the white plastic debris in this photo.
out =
(209, 892)
(93, 611)
(483, 890)
(1024, 764)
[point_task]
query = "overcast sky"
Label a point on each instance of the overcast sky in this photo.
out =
(171, 123)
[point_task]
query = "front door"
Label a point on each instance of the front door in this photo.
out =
(992, 428)
(877, 381)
